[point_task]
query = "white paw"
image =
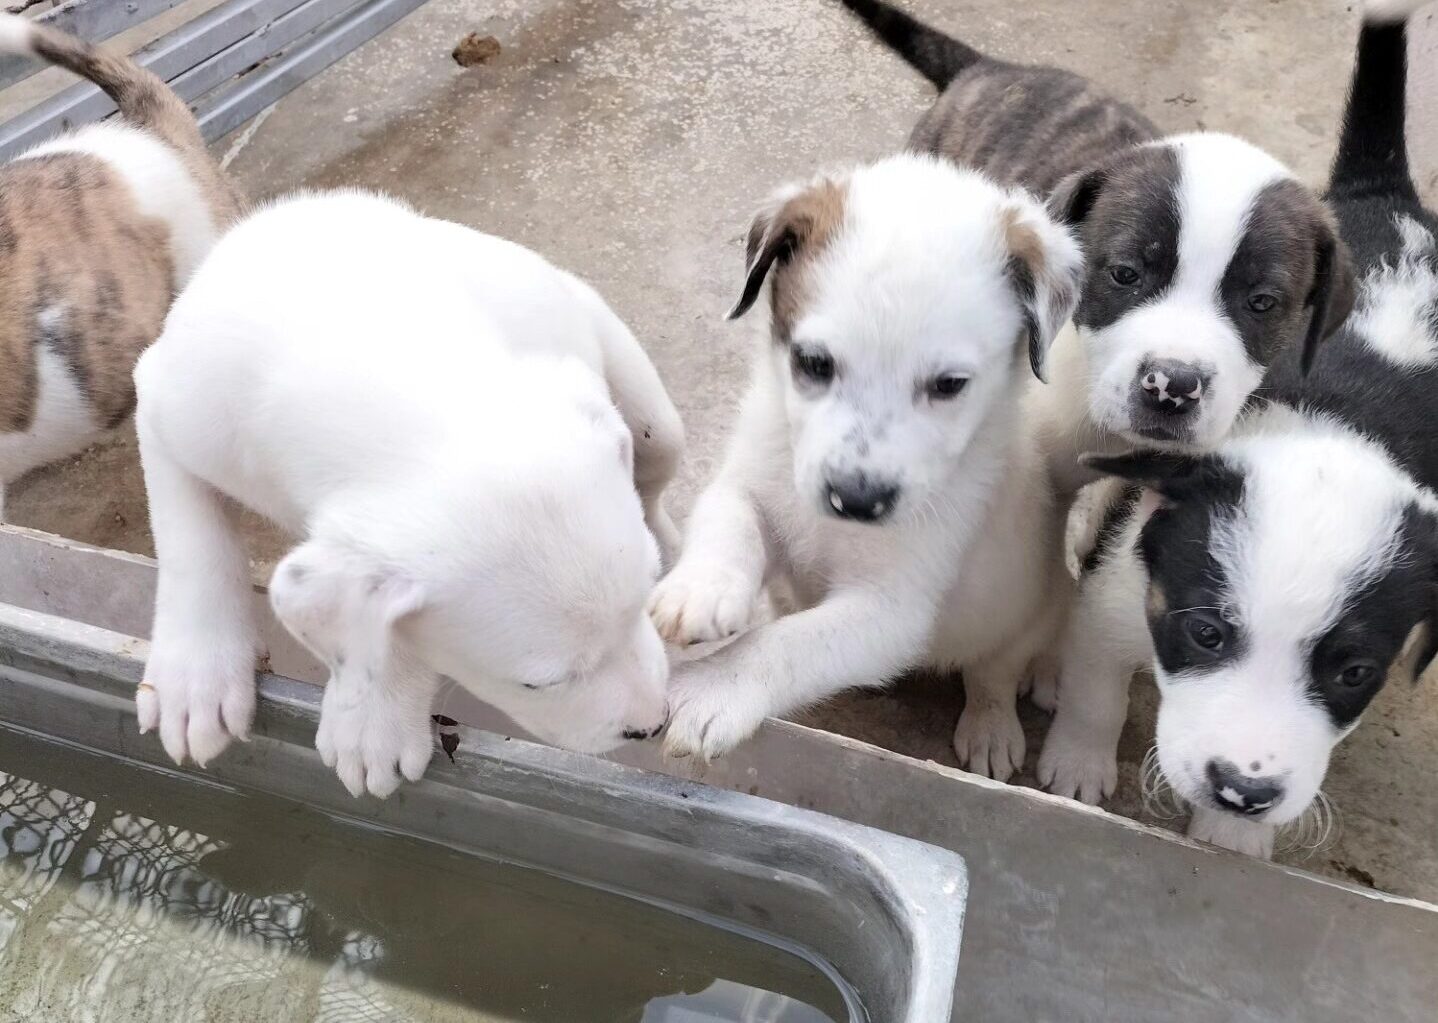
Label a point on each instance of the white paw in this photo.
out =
(198, 697)
(1229, 832)
(1078, 769)
(708, 714)
(700, 602)
(1044, 682)
(373, 742)
(990, 741)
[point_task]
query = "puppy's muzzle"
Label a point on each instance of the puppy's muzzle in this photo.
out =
(640, 734)
(1240, 793)
(860, 497)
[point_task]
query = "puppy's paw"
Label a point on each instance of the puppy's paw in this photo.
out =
(700, 602)
(198, 697)
(373, 742)
(990, 741)
(709, 715)
(1230, 832)
(1078, 769)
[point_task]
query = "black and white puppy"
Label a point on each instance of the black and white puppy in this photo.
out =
(1283, 576)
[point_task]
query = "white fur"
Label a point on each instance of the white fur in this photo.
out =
(1220, 177)
(1380, 12)
(1394, 302)
(433, 411)
(63, 422)
(912, 285)
(162, 185)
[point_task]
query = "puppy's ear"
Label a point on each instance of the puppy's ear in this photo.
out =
(1331, 297)
(1173, 475)
(342, 606)
(796, 219)
(1045, 267)
(1073, 198)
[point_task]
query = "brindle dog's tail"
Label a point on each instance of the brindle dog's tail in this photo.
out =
(143, 98)
(1373, 147)
(937, 57)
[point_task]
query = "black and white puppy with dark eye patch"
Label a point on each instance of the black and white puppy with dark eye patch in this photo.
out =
(1285, 575)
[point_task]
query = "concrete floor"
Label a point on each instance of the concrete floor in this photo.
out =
(629, 140)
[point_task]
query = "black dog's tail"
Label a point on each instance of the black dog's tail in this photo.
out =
(934, 55)
(1373, 148)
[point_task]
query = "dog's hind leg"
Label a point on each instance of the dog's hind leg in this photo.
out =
(989, 739)
(653, 421)
(199, 688)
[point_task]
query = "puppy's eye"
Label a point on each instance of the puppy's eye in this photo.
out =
(1358, 675)
(1262, 302)
(812, 365)
(1123, 275)
(947, 385)
(1204, 633)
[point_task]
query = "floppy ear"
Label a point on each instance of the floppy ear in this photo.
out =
(1045, 267)
(341, 607)
(1330, 300)
(1073, 198)
(795, 218)
(1169, 473)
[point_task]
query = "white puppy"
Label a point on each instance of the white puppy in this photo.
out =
(878, 464)
(433, 411)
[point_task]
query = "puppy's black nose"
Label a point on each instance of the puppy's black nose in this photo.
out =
(1241, 793)
(1171, 387)
(861, 497)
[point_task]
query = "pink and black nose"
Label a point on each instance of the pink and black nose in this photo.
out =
(1241, 793)
(1170, 387)
(860, 497)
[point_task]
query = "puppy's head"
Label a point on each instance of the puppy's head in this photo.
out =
(1286, 573)
(524, 582)
(909, 301)
(1206, 259)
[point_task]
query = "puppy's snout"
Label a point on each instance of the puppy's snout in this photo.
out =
(861, 497)
(1241, 793)
(1170, 387)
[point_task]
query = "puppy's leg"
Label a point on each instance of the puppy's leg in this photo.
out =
(644, 404)
(1041, 676)
(1227, 831)
(374, 718)
(989, 739)
(855, 637)
(712, 592)
(1105, 642)
(200, 677)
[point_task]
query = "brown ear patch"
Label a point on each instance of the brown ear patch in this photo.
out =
(1157, 601)
(1023, 242)
(790, 234)
(86, 276)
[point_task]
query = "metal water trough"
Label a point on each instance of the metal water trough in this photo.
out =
(1074, 915)
(228, 63)
(886, 912)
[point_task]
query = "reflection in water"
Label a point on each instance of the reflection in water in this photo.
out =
(128, 894)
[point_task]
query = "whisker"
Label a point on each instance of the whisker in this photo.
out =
(1157, 796)
(1317, 827)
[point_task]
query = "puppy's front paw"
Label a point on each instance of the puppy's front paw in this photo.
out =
(709, 715)
(990, 741)
(1229, 832)
(198, 697)
(1077, 768)
(700, 602)
(372, 742)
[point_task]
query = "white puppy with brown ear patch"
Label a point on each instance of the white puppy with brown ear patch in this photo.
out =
(469, 443)
(880, 461)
